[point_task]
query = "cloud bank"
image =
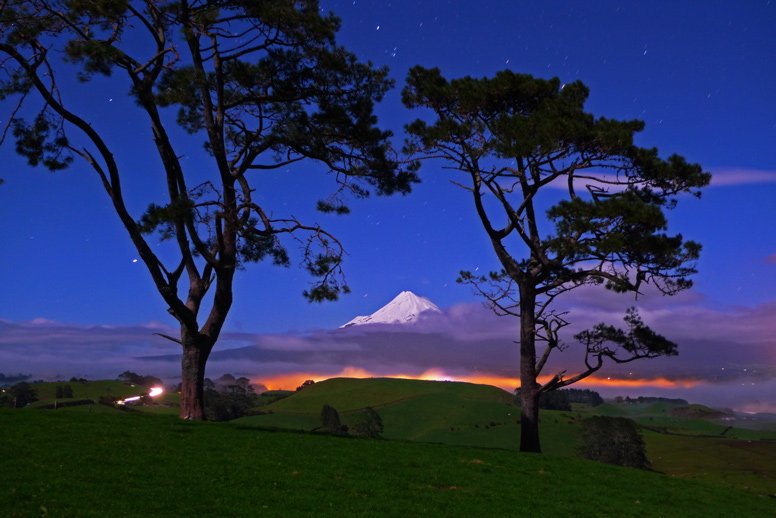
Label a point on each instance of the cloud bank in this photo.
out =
(727, 357)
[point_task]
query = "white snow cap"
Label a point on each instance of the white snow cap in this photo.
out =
(403, 309)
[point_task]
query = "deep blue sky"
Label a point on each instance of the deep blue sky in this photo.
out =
(701, 74)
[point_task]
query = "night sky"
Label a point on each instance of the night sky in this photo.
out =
(701, 75)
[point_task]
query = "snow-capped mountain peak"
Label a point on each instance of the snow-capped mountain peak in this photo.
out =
(404, 308)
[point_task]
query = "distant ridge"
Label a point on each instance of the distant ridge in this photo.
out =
(405, 308)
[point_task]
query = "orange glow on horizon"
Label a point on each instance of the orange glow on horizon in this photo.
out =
(290, 381)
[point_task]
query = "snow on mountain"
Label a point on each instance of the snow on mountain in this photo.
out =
(403, 309)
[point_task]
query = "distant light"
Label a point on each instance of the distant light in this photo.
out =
(134, 260)
(153, 392)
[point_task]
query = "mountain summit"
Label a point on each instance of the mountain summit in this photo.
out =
(403, 309)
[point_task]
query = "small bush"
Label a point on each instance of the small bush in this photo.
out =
(223, 406)
(330, 420)
(613, 440)
(64, 392)
(368, 423)
(19, 395)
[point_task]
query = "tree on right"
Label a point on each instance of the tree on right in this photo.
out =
(566, 200)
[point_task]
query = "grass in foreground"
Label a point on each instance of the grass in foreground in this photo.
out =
(114, 464)
(479, 415)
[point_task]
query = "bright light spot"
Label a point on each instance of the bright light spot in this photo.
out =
(378, 28)
(134, 260)
(153, 392)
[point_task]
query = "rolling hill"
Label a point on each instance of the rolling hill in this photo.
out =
(679, 440)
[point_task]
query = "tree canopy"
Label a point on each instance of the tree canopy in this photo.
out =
(263, 84)
(566, 199)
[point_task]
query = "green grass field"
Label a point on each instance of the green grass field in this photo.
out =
(77, 463)
(443, 412)
(90, 390)
(481, 416)
(167, 403)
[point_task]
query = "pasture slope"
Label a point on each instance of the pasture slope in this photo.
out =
(484, 416)
(445, 412)
(75, 463)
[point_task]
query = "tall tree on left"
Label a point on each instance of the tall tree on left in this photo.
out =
(263, 83)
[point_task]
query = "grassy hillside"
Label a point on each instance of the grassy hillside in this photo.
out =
(90, 390)
(678, 442)
(744, 464)
(445, 412)
(116, 464)
(167, 403)
(480, 415)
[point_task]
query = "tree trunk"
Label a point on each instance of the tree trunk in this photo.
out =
(529, 421)
(529, 390)
(195, 354)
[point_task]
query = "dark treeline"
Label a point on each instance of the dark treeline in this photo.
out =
(651, 399)
(18, 395)
(228, 397)
(563, 398)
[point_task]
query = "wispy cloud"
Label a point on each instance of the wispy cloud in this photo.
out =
(724, 176)
(720, 177)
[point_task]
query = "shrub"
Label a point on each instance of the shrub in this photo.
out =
(64, 392)
(330, 420)
(613, 440)
(368, 423)
(225, 406)
(20, 395)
